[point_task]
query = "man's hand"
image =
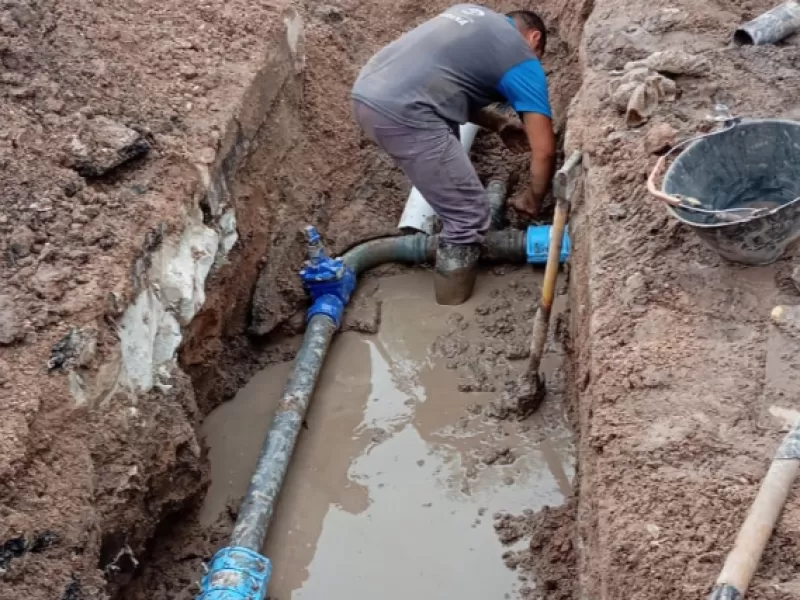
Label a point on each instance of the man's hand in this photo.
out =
(539, 132)
(526, 203)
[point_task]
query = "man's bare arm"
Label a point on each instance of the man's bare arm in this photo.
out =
(542, 141)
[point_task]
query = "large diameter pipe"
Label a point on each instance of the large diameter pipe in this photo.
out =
(742, 562)
(418, 215)
(257, 507)
(771, 27)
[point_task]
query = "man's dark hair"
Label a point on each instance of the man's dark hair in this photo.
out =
(531, 21)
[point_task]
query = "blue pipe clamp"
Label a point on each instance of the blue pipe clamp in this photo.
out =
(236, 574)
(328, 281)
(538, 244)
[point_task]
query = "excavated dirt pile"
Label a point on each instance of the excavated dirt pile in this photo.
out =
(158, 163)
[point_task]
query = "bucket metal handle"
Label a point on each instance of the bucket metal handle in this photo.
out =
(689, 203)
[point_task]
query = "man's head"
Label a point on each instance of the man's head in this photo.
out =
(532, 28)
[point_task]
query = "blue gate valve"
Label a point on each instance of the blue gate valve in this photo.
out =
(328, 281)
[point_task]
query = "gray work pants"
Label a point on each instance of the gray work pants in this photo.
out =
(437, 165)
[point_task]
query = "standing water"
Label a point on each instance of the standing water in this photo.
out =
(393, 485)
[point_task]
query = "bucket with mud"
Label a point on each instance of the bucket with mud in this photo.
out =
(751, 165)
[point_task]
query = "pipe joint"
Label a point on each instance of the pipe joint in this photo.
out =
(236, 573)
(538, 242)
(328, 281)
(329, 305)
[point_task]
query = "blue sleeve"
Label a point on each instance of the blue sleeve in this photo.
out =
(525, 88)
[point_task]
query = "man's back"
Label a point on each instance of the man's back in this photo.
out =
(443, 69)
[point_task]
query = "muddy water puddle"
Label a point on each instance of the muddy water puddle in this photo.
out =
(395, 481)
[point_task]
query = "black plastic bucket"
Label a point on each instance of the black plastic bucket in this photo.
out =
(755, 163)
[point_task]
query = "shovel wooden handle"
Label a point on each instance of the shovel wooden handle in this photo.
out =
(563, 189)
(742, 562)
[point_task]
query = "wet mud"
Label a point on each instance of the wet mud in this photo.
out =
(399, 466)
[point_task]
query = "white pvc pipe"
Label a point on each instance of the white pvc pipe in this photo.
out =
(418, 214)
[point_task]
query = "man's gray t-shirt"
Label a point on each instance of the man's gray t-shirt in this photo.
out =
(460, 61)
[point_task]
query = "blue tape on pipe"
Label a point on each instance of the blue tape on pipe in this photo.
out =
(236, 574)
(538, 244)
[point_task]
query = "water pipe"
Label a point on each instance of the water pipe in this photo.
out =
(770, 27)
(240, 571)
(418, 214)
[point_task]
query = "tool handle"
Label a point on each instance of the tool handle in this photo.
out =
(563, 185)
(654, 191)
(743, 560)
(542, 318)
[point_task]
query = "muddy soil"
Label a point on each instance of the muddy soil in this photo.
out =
(106, 111)
(398, 463)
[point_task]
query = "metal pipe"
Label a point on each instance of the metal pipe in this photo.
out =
(414, 249)
(418, 248)
(257, 507)
(239, 571)
(770, 27)
(497, 190)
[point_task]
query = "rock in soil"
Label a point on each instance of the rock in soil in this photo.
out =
(103, 145)
(660, 138)
(10, 321)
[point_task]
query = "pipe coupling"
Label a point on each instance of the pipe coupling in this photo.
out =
(236, 573)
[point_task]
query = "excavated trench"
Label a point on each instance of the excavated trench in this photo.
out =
(121, 474)
(409, 455)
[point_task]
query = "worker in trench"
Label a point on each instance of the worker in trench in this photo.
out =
(411, 97)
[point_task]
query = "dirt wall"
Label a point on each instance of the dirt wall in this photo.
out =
(158, 166)
(124, 127)
(676, 378)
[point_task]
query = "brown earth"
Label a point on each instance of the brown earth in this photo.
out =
(670, 344)
(115, 117)
(673, 350)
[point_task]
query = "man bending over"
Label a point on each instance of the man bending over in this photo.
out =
(411, 97)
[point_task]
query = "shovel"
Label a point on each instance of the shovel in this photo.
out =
(743, 560)
(563, 187)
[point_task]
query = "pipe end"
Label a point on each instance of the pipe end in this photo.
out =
(742, 38)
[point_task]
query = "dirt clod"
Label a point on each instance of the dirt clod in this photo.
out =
(659, 138)
(550, 559)
(499, 456)
(11, 326)
(519, 400)
(102, 145)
